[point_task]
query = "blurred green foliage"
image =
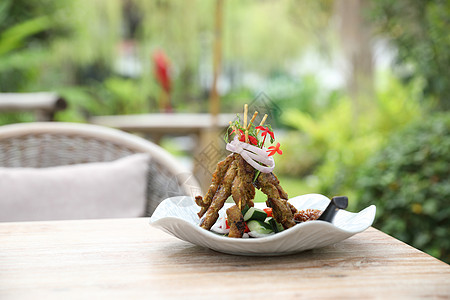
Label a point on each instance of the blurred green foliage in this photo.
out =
(420, 31)
(409, 182)
(332, 145)
(306, 94)
(73, 47)
(18, 65)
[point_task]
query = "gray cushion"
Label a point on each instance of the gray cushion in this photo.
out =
(84, 191)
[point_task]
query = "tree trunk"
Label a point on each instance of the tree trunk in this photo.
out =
(355, 34)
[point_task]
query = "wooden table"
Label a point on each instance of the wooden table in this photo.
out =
(128, 259)
(208, 149)
(160, 124)
(43, 105)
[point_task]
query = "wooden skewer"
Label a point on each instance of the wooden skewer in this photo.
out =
(245, 115)
(253, 119)
(246, 136)
(232, 127)
(236, 132)
(262, 123)
(263, 120)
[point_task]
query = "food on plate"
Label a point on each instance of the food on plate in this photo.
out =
(249, 166)
(307, 215)
(236, 221)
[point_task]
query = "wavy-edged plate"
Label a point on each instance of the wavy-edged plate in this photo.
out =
(178, 217)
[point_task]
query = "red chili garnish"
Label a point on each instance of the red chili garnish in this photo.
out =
(227, 226)
(275, 149)
(251, 139)
(246, 228)
(268, 211)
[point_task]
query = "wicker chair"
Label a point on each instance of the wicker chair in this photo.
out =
(47, 144)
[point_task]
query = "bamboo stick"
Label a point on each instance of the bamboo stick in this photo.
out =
(246, 136)
(262, 123)
(251, 121)
(234, 129)
(245, 115)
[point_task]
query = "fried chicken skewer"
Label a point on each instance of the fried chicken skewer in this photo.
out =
(234, 176)
(283, 211)
(217, 177)
(236, 221)
(243, 191)
(222, 194)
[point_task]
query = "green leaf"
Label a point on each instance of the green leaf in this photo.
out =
(14, 37)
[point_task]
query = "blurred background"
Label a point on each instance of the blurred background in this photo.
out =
(359, 90)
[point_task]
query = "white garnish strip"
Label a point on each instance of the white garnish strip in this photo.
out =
(253, 155)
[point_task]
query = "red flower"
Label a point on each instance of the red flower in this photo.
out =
(265, 131)
(161, 69)
(274, 150)
(251, 139)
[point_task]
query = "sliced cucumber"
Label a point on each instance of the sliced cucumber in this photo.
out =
(255, 214)
(276, 227)
(246, 208)
(259, 227)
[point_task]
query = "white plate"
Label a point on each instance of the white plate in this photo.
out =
(178, 217)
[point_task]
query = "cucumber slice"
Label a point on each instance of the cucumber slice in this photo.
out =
(246, 208)
(259, 227)
(255, 214)
(276, 227)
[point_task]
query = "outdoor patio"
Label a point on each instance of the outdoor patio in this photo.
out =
(109, 108)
